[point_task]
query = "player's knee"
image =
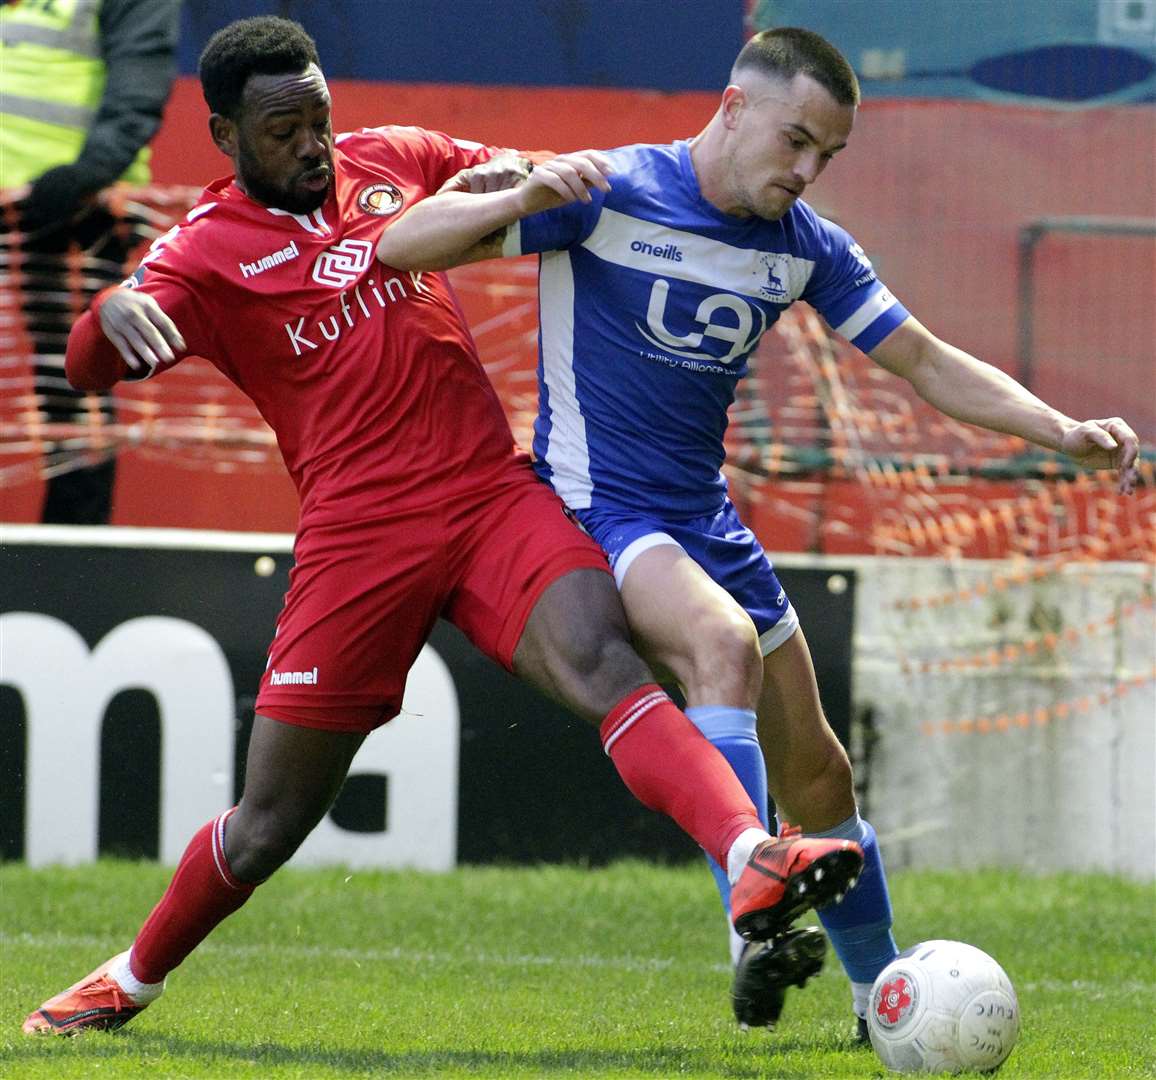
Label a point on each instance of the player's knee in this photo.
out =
(599, 670)
(576, 646)
(259, 842)
(728, 662)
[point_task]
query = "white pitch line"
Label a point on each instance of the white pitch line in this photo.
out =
(396, 954)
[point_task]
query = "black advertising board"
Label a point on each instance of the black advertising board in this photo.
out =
(129, 661)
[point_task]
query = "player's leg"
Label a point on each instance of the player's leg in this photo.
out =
(721, 549)
(51, 295)
(356, 632)
(576, 647)
(537, 598)
(683, 622)
(810, 780)
(292, 776)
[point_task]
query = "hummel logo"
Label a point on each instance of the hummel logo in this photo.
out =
(285, 678)
(266, 262)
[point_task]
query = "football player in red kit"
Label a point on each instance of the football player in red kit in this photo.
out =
(415, 504)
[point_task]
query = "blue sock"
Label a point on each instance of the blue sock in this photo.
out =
(860, 927)
(732, 732)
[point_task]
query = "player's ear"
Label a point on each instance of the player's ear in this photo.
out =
(733, 99)
(223, 132)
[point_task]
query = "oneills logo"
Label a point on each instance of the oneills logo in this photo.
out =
(380, 199)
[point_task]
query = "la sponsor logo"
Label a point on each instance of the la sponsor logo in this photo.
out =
(741, 327)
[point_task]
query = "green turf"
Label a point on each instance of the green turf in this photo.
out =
(555, 971)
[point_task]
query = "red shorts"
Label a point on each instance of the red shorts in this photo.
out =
(364, 597)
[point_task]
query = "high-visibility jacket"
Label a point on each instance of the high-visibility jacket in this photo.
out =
(52, 77)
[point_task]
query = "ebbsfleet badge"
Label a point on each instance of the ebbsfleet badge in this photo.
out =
(380, 199)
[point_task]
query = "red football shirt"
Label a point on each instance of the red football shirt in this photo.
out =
(367, 375)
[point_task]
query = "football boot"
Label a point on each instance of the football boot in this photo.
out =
(767, 968)
(96, 1003)
(788, 875)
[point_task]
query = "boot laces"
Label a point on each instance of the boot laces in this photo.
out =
(103, 987)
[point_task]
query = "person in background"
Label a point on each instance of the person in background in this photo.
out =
(83, 84)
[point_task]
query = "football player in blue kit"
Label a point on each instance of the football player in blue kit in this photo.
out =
(661, 267)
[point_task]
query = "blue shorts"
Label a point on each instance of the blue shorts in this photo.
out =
(720, 543)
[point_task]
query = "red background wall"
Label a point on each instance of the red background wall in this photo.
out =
(936, 191)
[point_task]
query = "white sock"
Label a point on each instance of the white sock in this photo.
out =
(861, 998)
(141, 993)
(741, 849)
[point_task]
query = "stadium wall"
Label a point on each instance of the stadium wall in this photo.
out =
(130, 659)
(1004, 712)
(996, 718)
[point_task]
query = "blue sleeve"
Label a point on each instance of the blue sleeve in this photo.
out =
(846, 292)
(555, 230)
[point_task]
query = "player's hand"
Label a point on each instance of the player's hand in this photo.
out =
(1105, 444)
(565, 179)
(142, 333)
(498, 174)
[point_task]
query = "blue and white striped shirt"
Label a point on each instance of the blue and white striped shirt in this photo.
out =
(651, 301)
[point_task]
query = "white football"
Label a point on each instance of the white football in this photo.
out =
(942, 1007)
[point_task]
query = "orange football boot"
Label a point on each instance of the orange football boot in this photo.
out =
(788, 874)
(96, 1003)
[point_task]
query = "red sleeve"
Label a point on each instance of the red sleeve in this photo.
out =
(443, 156)
(92, 362)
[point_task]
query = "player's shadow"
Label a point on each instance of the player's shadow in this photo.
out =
(659, 1060)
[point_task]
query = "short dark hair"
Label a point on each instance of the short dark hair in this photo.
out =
(264, 45)
(788, 51)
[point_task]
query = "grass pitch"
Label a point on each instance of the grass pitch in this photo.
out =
(551, 971)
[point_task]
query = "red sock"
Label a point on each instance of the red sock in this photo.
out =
(669, 766)
(202, 893)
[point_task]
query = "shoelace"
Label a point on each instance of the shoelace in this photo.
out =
(105, 985)
(789, 832)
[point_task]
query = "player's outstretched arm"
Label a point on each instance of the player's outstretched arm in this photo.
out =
(125, 332)
(496, 174)
(456, 227)
(967, 389)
